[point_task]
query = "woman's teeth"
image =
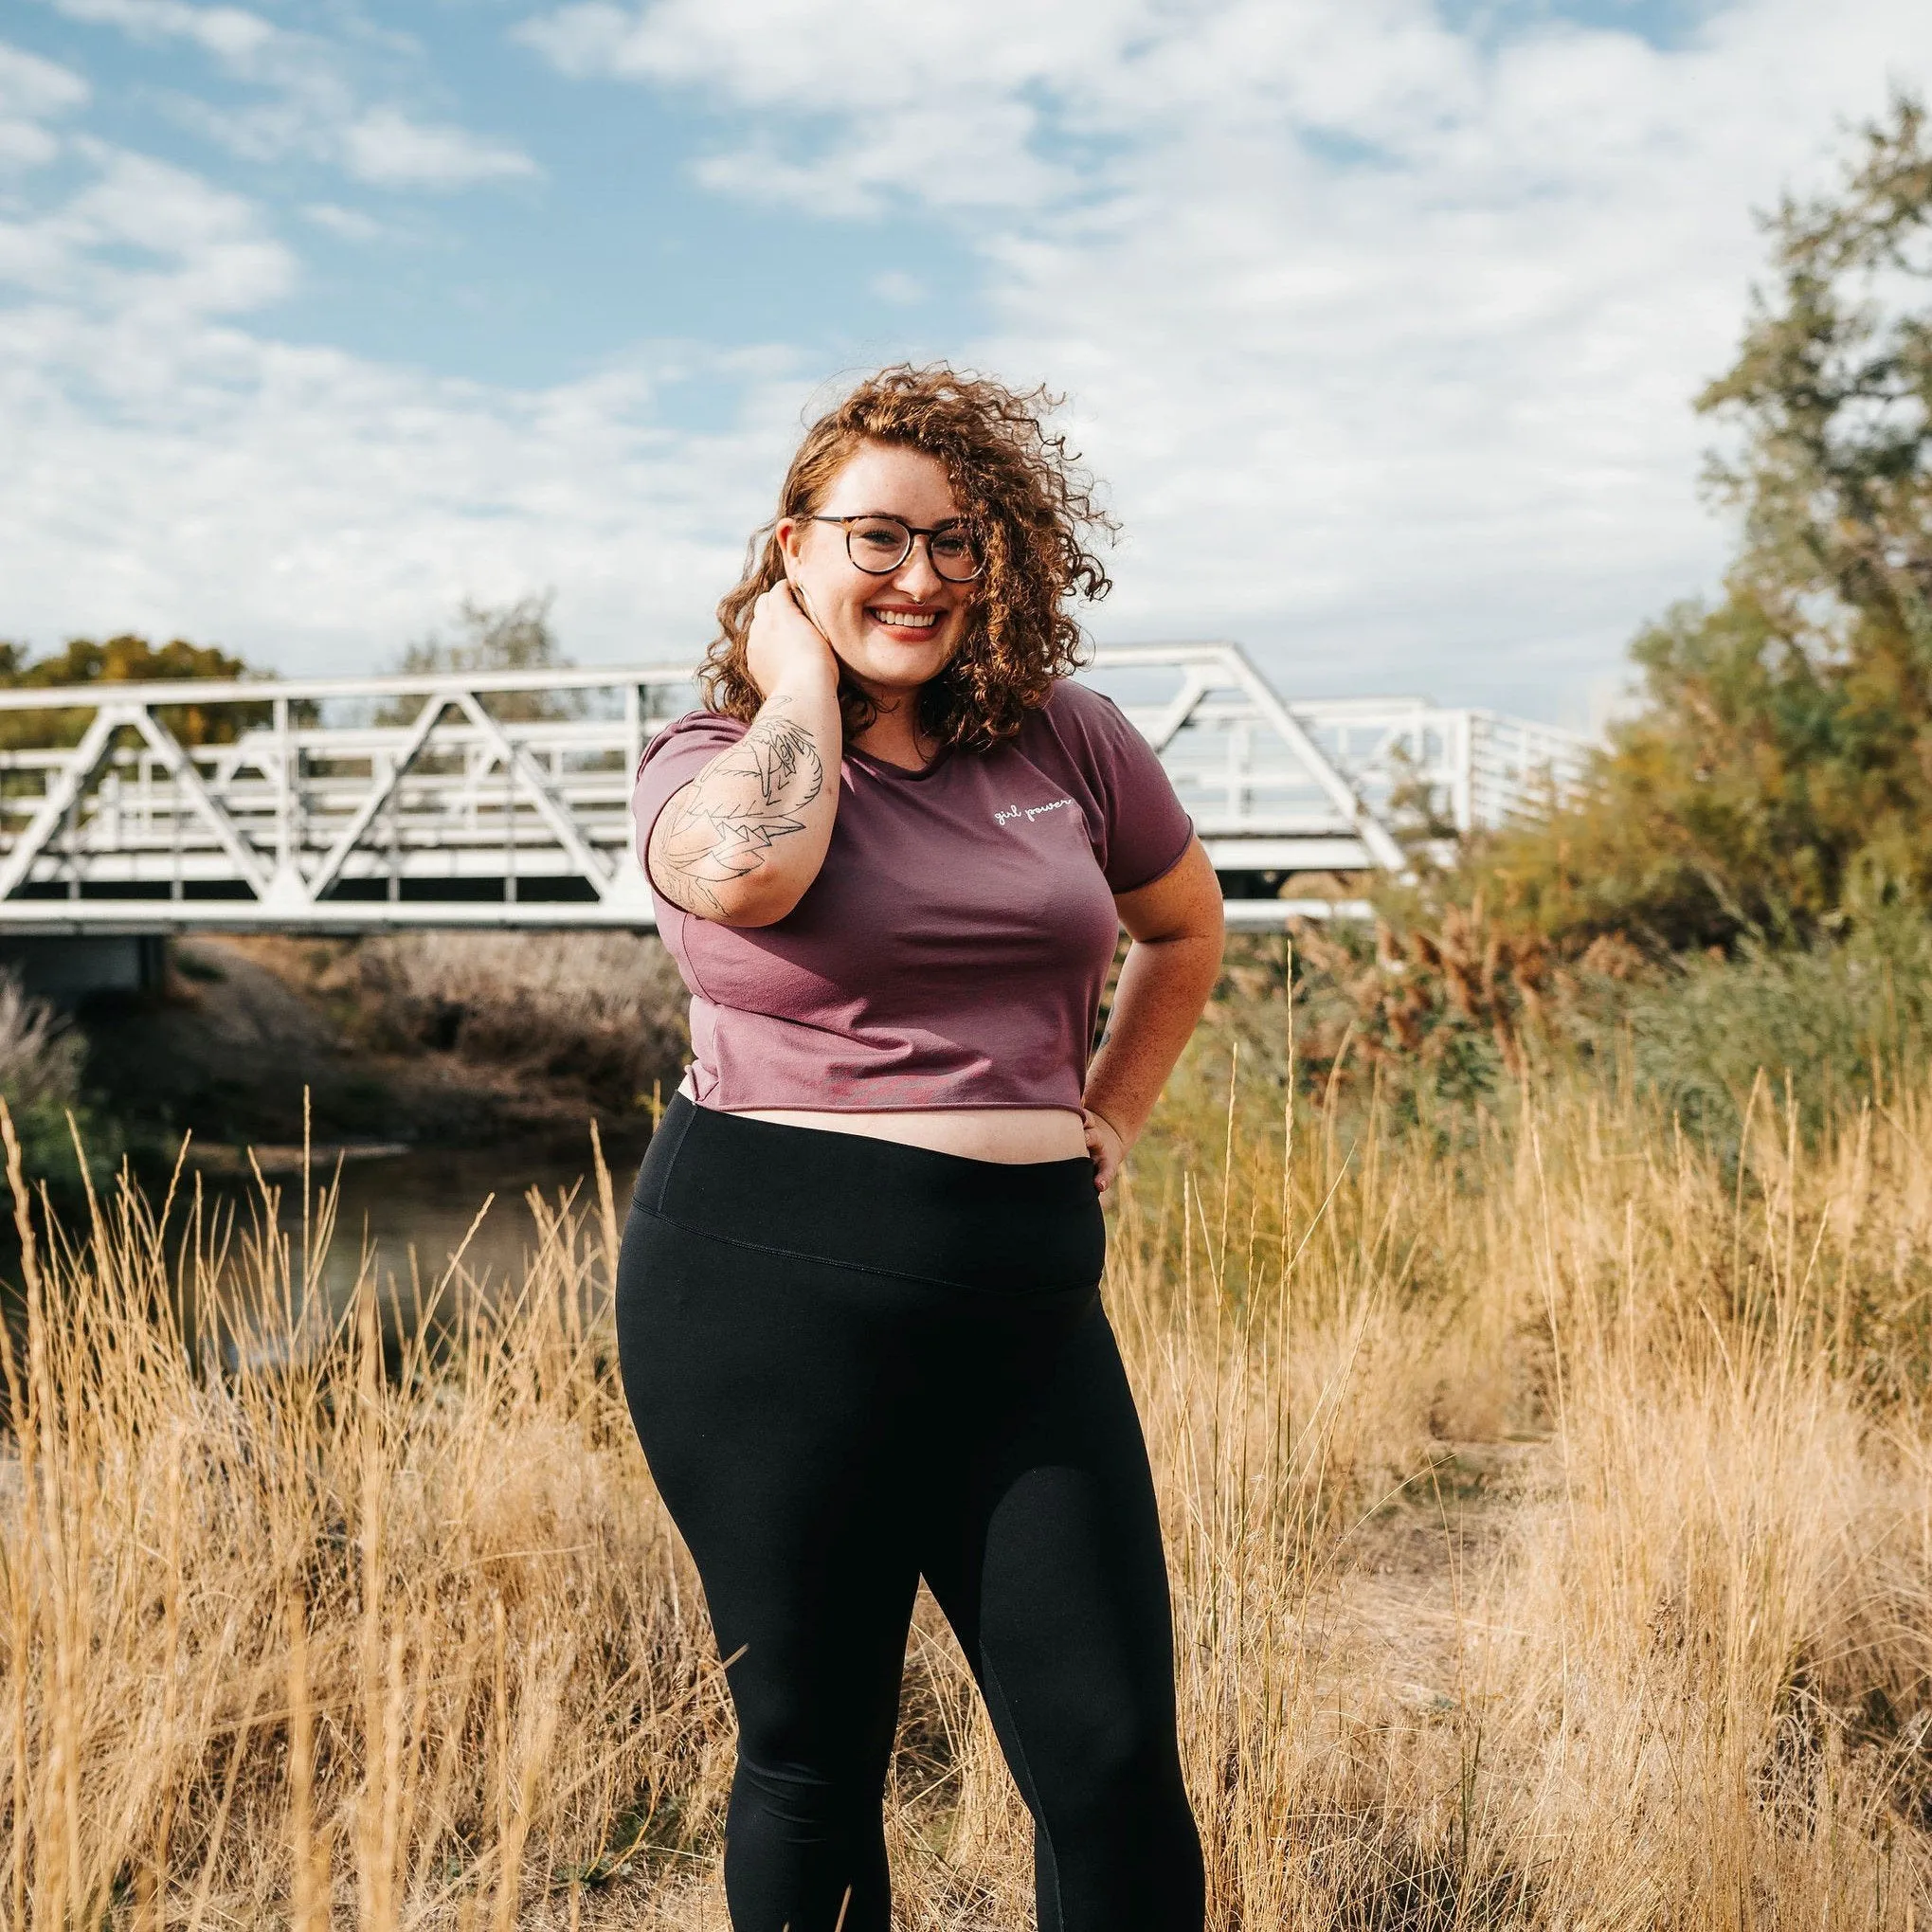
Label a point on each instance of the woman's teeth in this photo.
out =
(906, 619)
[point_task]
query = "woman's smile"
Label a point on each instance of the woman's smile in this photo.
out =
(913, 620)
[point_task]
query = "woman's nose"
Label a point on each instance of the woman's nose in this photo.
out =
(916, 577)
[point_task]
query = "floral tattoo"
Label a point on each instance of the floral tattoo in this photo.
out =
(721, 827)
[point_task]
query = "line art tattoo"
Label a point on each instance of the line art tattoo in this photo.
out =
(721, 827)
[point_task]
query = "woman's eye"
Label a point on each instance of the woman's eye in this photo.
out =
(953, 549)
(879, 539)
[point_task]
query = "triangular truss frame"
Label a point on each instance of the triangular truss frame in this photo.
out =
(517, 788)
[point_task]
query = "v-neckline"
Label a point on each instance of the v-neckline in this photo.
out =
(897, 771)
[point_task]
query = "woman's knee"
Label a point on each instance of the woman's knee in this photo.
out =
(824, 1800)
(1110, 1760)
(809, 1751)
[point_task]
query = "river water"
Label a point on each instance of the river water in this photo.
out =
(403, 1220)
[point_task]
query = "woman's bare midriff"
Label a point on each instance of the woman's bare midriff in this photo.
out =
(1014, 1135)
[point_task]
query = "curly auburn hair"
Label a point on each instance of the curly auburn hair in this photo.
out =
(1030, 507)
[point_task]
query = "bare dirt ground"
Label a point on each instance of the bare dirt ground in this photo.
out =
(1406, 1595)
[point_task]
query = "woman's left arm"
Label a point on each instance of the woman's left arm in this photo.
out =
(1177, 927)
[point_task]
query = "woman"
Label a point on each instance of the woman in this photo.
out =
(857, 1308)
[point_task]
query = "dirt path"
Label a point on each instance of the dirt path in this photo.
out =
(1413, 1574)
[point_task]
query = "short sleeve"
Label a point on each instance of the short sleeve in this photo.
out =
(671, 761)
(1148, 826)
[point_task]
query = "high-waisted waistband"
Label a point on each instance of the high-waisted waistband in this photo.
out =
(865, 1202)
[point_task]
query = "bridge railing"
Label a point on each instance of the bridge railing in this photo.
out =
(345, 804)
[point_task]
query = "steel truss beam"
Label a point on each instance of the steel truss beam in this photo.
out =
(503, 800)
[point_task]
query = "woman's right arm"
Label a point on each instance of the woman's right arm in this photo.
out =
(744, 840)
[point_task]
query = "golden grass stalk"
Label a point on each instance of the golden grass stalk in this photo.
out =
(1550, 1524)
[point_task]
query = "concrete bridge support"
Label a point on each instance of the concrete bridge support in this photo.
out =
(65, 968)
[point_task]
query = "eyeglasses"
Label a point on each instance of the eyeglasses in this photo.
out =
(878, 545)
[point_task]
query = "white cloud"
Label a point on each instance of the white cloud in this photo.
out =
(582, 40)
(24, 144)
(1385, 337)
(238, 39)
(315, 511)
(32, 91)
(173, 469)
(388, 149)
(830, 56)
(37, 89)
(312, 107)
(942, 103)
(345, 224)
(148, 246)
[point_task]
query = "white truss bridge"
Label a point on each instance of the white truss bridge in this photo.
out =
(350, 805)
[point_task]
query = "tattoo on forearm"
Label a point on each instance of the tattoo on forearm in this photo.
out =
(723, 827)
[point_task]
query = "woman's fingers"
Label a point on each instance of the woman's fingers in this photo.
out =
(1103, 1147)
(782, 638)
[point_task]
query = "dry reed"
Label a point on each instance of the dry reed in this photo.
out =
(385, 1627)
(40, 1055)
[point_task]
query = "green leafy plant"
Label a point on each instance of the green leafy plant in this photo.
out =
(1777, 777)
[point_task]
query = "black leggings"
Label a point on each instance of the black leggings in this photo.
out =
(852, 1364)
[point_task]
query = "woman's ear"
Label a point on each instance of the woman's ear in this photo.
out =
(790, 533)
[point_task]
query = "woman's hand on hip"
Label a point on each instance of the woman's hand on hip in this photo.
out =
(784, 649)
(1104, 1146)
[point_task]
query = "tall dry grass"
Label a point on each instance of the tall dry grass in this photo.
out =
(40, 1056)
(393, 1633)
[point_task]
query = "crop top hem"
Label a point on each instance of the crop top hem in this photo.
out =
(957, 1107)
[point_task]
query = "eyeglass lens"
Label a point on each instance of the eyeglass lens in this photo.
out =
(881, 544)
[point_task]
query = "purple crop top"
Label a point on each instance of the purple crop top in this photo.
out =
(952, 949)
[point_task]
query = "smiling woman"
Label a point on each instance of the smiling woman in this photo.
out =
(908, 608)
(859, 1311)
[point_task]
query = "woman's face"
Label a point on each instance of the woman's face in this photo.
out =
(894, 632)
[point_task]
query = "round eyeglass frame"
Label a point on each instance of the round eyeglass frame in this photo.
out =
(913, 533)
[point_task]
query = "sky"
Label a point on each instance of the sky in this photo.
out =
(1380, 319)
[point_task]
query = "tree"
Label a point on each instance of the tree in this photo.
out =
(1778, 774)
(506, 637)
(123, 659)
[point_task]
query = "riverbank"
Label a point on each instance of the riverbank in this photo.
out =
(409, 1041)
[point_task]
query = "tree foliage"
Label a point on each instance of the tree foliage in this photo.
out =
(496, 637)
(124, 659)
(1778, 775)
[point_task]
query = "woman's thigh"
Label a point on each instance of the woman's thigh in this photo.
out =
(1053, 1575)
(753, 1385)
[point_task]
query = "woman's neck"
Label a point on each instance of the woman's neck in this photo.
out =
(895, 733)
